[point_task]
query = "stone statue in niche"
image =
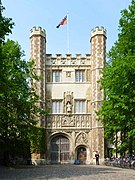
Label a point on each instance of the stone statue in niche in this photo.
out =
(68, 107)
(68, 103)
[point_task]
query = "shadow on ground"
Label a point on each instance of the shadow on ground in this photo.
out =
(54, 171)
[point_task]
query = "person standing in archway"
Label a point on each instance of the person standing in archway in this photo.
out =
(97, 158)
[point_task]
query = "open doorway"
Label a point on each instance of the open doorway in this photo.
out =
(81, 155)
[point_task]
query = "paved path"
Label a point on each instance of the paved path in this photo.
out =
(66, 172)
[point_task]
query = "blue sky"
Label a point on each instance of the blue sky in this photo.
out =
(84, 15)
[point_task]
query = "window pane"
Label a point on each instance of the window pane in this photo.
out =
(57, 106)
(76, 76)
(79, 106)
(83, 76)
(53, 76)
(80, 75)
(56, 76)
(60, 107)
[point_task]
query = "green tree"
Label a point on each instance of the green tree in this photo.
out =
(118, 81)
(18, 100)
(6, 25)
(38, 141)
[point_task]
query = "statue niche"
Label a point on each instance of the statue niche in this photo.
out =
(68, 103)
(68, 107)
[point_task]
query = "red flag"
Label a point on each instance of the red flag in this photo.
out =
(62, 22)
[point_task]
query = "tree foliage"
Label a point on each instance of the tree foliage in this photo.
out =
(18, 110)
(6, 25)
(118, 81)
(18, 101)
(38, 140)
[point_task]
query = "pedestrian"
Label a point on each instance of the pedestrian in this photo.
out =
(97, 158)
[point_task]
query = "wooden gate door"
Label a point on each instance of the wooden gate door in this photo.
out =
(59, 149)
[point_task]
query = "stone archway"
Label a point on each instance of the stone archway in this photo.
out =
(81, 154)
(59, 149)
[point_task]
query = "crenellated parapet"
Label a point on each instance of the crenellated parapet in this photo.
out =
(99, 30)
(68, 59)
(37, 31)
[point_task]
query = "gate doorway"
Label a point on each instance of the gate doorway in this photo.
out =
(81, 155)
(59, 149)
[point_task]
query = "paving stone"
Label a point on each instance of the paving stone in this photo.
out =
(66, 172)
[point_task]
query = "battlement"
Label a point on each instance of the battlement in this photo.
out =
(59, 59)
(68, 56)
(37, 31)
(98, 30)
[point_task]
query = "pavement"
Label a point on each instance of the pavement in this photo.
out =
(66, 172)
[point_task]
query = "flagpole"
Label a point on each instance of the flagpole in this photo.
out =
(68, 32)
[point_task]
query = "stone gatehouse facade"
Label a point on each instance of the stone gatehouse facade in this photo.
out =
(69, 89)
